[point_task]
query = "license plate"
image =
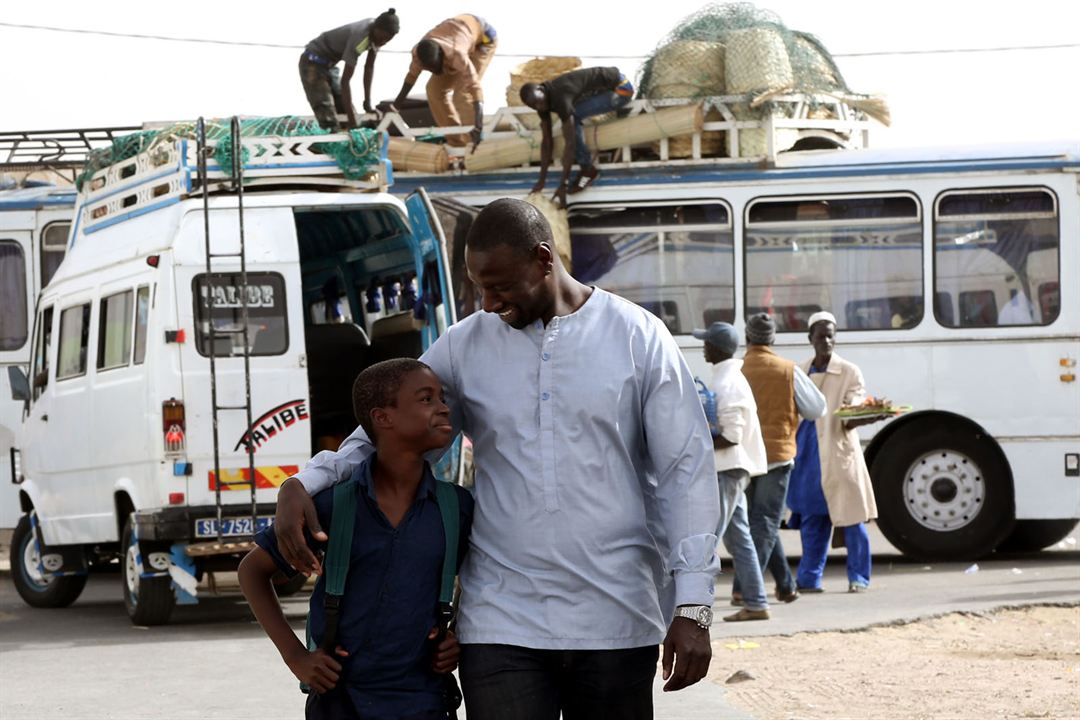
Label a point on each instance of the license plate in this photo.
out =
(231, 526)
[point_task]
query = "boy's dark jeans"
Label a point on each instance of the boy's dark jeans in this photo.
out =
(506, 681)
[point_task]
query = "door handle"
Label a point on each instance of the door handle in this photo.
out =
(45, 418)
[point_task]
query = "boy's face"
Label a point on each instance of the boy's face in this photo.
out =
(421, 417)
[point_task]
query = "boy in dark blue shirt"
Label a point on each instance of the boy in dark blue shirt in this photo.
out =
(385, 667)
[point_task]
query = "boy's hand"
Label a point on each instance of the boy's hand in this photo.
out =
(445, 659)
(295, 510)
(317, 669)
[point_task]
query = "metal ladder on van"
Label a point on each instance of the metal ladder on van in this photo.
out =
(215, 408)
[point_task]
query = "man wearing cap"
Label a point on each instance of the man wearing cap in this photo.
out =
(740, 454)
(830, 484)
(330, 93)
(783, 392)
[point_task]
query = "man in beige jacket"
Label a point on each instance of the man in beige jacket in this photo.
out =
(456, 52)
(830, 484)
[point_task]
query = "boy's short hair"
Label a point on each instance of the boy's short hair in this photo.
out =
(377, 386)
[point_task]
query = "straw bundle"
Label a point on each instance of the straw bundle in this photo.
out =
(646, 127)
(753, 142)
(757, 60)
(537, 70)
(409, 155)
(560, 226)
(690, 69)
(508, 152)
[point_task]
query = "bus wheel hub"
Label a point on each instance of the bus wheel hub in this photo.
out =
(944, 490)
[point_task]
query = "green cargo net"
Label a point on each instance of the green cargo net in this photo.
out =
(356, 158)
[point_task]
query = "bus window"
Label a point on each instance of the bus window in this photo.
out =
(674, 260)
(142, 317)
(74, 338)
(13, 329)
(858, 257)
(268, 330)
(53, 248)
(114, 331)
(996, 252)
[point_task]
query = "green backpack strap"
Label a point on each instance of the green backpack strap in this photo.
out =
(447, 499)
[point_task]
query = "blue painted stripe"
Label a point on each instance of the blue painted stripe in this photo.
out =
(129, 215)
(36, 204)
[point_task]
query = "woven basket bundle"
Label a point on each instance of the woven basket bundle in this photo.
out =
(690, 69)
(537, 70)
(753, 142)
(560, 226)
(408, 155)
(757, 61)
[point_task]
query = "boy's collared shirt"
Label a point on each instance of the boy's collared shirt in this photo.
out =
(595, 481)
(390, 600)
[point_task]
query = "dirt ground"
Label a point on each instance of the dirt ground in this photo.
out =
(1022, 663)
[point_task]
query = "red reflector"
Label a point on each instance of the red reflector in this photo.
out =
(176, 498)
(181, 336)
(152, 260)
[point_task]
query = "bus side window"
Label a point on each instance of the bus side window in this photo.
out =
(142, 318)
(997, 251)
(74, 339)
(53, 248)
(13, 329)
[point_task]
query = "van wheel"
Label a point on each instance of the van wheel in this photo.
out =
(33, 587)
(1034, 535)
(943, 492)
(149, 601)
(290, 586)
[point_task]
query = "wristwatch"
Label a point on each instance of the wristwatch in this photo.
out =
(701, 614)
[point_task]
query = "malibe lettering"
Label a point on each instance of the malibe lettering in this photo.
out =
(273, 422)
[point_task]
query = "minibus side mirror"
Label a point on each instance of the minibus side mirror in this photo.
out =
(20, 387)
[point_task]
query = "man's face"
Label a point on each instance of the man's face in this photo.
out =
(823, 338)
(713, 354)
(513, 283)
(380, 37)
(421, 415)
(538, 100)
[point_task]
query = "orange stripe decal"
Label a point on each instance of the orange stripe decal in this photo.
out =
(267, 476)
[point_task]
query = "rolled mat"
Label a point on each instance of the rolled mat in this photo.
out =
(410, 155)
(560, 226)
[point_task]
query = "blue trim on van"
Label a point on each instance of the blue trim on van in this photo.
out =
(129, 215)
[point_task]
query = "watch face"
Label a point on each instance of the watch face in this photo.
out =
(704, 616)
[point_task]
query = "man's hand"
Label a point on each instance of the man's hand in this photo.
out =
(537, 188)
(316, 669)
(295, 511)
(446, 653)
(688, 647)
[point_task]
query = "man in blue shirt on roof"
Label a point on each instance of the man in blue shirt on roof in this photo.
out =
(596, 494)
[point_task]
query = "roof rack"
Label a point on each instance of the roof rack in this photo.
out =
(166, 172)
(61, 151)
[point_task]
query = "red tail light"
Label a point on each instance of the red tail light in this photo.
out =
(173, 425)
(176, 498)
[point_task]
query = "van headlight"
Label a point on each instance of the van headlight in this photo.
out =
(16, 466)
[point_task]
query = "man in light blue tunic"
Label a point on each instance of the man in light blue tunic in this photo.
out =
(596, 495)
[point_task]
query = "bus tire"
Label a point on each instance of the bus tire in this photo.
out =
(943, 490)
(35, 589)
(1034, 535)
(290, 586)
(148, 601)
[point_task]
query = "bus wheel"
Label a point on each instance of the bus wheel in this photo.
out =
(1034, 535)
(290, 586)
(33, 586)
(943, 492)
(148, 600)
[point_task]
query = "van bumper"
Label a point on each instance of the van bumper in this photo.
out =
(178, 523)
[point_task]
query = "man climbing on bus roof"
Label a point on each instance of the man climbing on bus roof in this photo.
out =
(575, 96)
(328, 92)
(456, 52)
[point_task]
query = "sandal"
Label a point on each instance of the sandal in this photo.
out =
(584, 179)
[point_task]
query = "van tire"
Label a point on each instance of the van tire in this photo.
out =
(57, 592)
(942, 463)
(148, 601)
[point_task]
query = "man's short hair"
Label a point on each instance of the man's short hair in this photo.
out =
(527, 91)
(511, 223)
(378, 385)
(388, 22)
(428, 52)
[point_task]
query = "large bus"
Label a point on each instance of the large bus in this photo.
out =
(35, 218)
(954, 274)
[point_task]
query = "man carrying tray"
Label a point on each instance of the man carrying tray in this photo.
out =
(830, 484)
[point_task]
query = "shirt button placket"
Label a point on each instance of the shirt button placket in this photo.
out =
(547, 417)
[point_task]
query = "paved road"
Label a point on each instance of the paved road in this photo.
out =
(87, 661)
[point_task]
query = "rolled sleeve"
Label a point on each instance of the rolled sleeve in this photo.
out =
(732, 423)
(680, 451)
